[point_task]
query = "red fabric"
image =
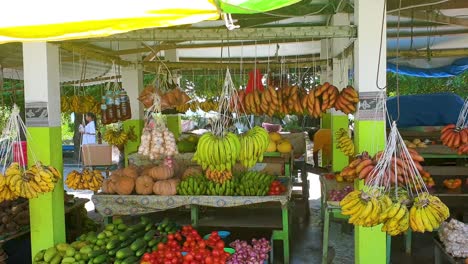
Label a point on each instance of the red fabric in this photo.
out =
(255, 81)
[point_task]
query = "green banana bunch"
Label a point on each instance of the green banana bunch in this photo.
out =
(253, 144)
(194, 185)
(217, 153)
(218, 189)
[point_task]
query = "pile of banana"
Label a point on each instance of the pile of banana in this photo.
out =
(252, 146)
(80, 104)
(253, 183)
(371, 208)
(116, 137)
(347, 100)
(320, 99)
(345, 143)
(27, 183)
(217, 153)
(221, 189)
(218, 176)
(85, 180)
(193, 185)
(427, 213)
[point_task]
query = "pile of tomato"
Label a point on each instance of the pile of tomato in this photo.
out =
(198, 250)
(276, 188)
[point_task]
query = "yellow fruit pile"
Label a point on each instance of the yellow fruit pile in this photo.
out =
(278, 143)
(27, 183)
(345, 143)
(371, 208)
(80, 104)
(86, 180)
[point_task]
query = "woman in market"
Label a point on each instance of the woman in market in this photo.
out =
(89, 131)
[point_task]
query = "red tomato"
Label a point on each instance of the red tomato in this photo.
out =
(170, 237)
(202, 244)
(208, 260)
(220, 244)
(146, 257)
(160, 246)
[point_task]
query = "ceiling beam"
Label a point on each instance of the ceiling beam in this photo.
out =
(416, 5)
(93, 54)
(152, 66)
(204, 45)
(238, 34)
(428, 34)
(430, 53)
(436, 17)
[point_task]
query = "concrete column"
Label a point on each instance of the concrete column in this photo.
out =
(132, 82)
(340, 80)
(42, 85)
(370, 243)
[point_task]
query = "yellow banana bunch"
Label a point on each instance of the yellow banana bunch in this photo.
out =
(65, 104)
(28, 184)
(115, 137)
(252, 146)
(345, 143)
(86, 180)
(217, 153)
(363, 208)
(396, 219)
(427, 213)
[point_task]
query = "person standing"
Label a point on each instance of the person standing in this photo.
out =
(322, 139)
(89, 131)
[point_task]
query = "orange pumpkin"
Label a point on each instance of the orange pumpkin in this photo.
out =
(166, 187)
(161, 172)
(125, 185)
(144, 185)
(130, 171)
(107, 186)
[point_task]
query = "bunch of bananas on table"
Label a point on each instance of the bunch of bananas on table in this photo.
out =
(85, 180)
(371, 208)
(347, 100)
(115, 136)
(427, 213)
(252, 146)
(253, 183)
(193, 185)
(217, 153)
(345, 143)
(221, 189)
(27, 183)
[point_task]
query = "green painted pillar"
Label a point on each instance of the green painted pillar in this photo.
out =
(132, 146)
(326, 121)
(41, 87)
(174, 124)
(370, 243)
(339, 159)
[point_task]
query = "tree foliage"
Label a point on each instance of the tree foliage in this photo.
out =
(409, 85)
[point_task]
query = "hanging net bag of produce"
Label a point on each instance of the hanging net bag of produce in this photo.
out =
(157, 142)
(16, 178)
(455, 136)
(394, 193)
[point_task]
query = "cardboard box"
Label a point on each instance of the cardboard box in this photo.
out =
(97, 154)
(276, 168)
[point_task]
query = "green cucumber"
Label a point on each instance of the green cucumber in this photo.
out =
(100, 259)
(137, 244)
(149, 235)
(124, 253)
(131, 260)
(112, 244)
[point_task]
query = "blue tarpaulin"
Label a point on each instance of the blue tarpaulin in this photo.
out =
(457, 67)
(437, 109)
